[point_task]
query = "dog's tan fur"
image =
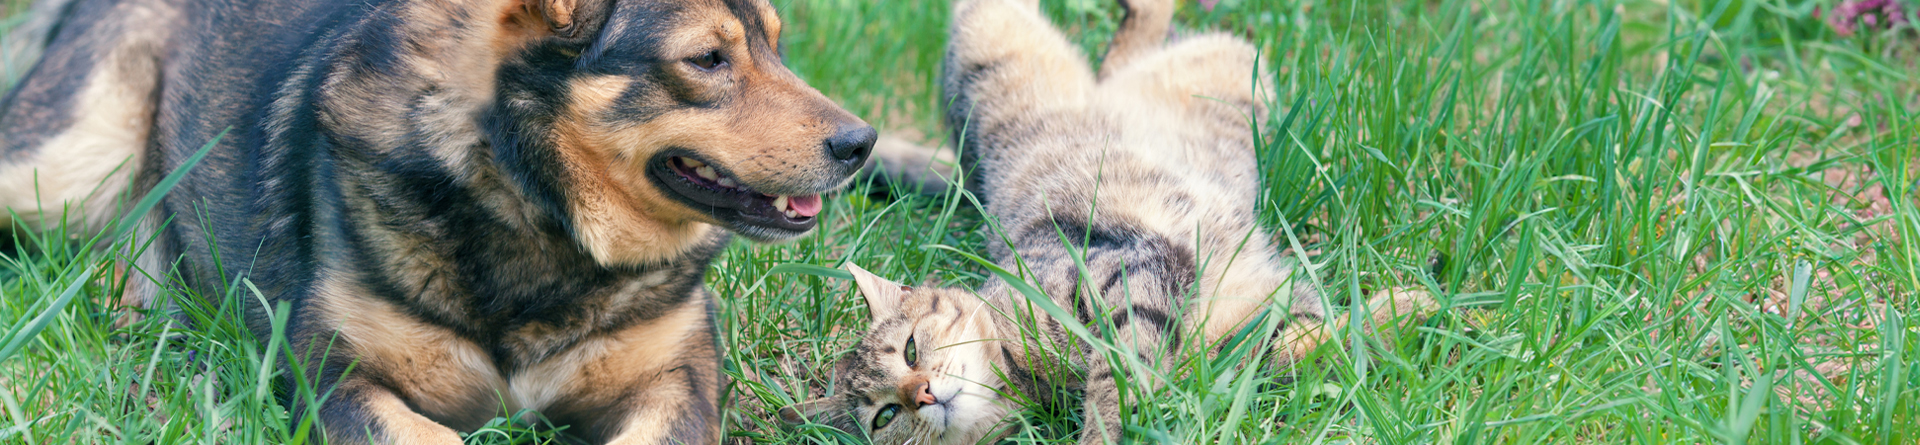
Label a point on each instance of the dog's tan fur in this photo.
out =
(83, 183)
(470, 207)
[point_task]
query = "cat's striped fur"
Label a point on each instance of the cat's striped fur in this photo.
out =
(1145, 173)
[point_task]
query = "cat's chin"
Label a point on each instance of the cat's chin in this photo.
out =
(938, 418)
(967, 419)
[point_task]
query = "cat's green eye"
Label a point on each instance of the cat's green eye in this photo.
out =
(885, 416)
(913, 354)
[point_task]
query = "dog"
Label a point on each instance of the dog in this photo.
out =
(461, 203)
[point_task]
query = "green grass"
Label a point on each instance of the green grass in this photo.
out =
(1684, 221)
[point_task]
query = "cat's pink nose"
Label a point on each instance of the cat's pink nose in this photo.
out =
(918, 391)
(923, 396)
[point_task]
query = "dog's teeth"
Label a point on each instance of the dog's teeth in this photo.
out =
(692, 163)
(728, 183)
(791, 214)
(780, 203)
(707, 172)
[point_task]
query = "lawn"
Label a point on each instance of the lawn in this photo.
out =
(1666, 221)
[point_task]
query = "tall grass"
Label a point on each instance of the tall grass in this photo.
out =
(1682, 221)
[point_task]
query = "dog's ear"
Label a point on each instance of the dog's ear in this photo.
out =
(567, 19)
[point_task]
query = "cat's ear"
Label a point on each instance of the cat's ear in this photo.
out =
(883, 297)
(831, 411)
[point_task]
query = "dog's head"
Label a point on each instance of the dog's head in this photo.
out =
(652, 118)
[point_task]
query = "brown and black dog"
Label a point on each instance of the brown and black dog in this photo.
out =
(464, 202)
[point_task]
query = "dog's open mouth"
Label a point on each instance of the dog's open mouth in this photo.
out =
(708, 188)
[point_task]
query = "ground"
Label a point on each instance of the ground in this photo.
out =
(1667, 221)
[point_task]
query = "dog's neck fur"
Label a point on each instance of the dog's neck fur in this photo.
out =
(481, 180)
(497, 87)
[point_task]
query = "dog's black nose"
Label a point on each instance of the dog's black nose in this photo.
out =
(852, 143)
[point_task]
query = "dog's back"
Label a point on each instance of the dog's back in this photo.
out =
(127, 90)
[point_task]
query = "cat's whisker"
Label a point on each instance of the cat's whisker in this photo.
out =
(1109, 203)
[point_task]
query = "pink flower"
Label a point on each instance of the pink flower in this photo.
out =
(1853, 15)
(1209, 4)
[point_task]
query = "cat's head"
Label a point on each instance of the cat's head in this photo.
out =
(924, 373)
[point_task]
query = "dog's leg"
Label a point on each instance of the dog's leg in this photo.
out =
(1141, 31)
(388, 376)
(359, 412)
(680, 407)
(655, 382)
(74, 132)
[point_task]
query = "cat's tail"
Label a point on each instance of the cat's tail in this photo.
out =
(901, 166)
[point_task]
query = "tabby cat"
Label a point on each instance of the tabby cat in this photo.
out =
(1144, 174)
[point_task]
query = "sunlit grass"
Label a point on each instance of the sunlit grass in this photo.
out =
(1683, 221)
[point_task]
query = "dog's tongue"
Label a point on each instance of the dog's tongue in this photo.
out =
(805, 205)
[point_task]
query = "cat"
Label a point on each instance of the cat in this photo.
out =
(1142, 174)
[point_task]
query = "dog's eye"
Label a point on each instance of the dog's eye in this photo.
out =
(885, 416)
(708, 61)
(913, 354)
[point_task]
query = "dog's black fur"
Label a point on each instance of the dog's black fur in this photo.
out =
(464, 201)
